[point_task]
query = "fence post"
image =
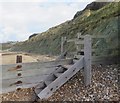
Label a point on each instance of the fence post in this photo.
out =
(78, 35)
(63, 39)
(78, 47)
(62, 45)
(19, 59)
(19, 74)
(87, 60)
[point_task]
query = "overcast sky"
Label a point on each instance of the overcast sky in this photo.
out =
(21, 18)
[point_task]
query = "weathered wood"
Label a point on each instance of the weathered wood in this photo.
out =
(58, 74)
(62, 44)
(72, 40)
(35, 65)
(77, 47)
(92, 36)
(25, 73)
(83, 36)
(78, 56)
(78, 42)
(48, 91)
(63, 40)
(18, 59)
(87, 60)
(9, 85)
(13, 88)
(78, 35)
(30, 69)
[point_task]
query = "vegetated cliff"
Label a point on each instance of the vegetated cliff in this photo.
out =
(92, 6)
(93, 20)
(7, 45)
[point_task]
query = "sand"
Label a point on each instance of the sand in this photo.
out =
(10, 57)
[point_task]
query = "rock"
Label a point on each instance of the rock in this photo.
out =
(33, 35)
(91, 6)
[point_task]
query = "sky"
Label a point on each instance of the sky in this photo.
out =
(21, 18)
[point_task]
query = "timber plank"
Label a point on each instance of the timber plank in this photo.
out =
(25, 82)
(25, 73)
(48, 91)
(35, 65)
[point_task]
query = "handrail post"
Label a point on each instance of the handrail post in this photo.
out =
(87, 60)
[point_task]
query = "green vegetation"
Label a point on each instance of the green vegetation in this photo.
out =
(7, 46)
(103, 21)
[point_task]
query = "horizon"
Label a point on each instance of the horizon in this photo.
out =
(21, 19)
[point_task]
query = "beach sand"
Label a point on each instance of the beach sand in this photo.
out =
(10, 57)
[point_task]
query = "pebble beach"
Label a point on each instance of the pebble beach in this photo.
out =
(104, 87)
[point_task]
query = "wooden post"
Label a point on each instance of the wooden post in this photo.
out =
(78, 47)
(61, 45)
(19, 59)
(78, 35)
(19, 73)
(87, 60)
(63, 39)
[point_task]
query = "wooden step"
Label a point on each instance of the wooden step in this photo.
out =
(48, 82)
(77, 56)
(38, 90)
(60, 70)
(51, 88)
(67, 66)
(40, 87)
(51, 77)
(58, 74)
(75, 60)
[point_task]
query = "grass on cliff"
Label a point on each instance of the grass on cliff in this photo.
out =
(100, 22)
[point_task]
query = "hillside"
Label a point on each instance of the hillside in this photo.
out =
(7, 45)
(99, 21)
